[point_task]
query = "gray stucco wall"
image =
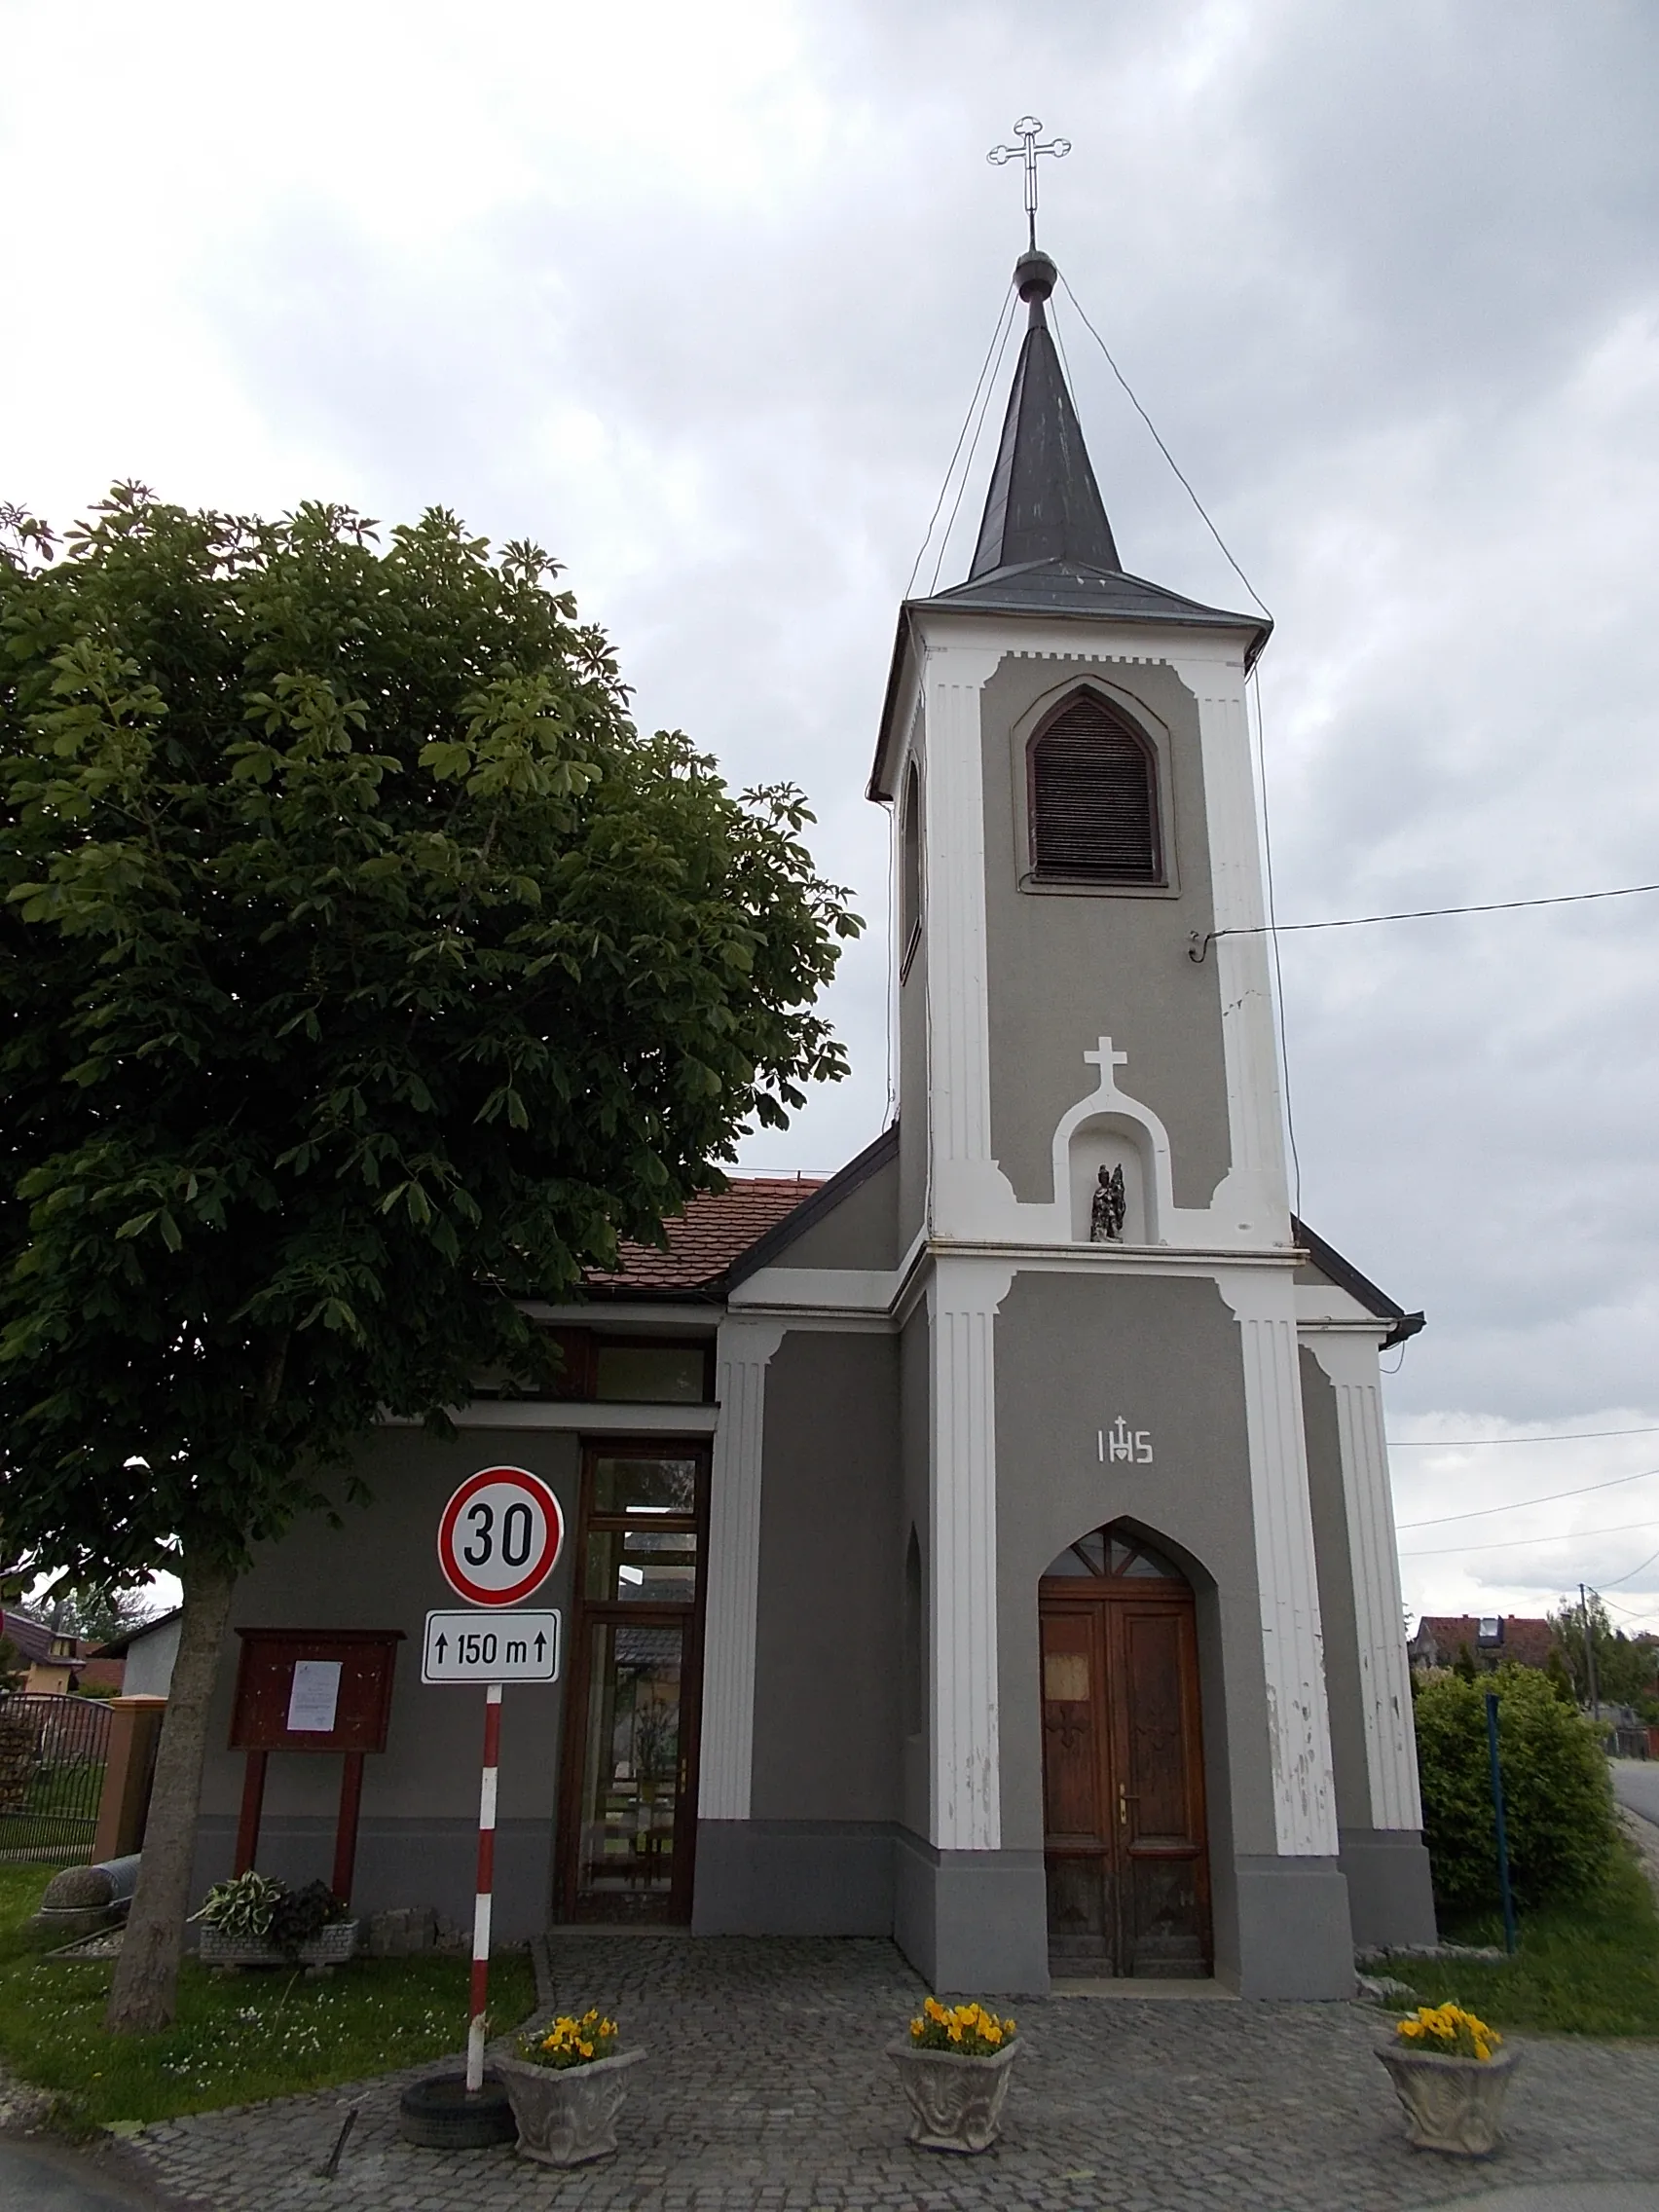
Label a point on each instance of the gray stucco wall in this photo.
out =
(1073, 1352)
(420, 1812)
(1063, 968)
(148, 1672)
(828, 1635)
(861, 1231)
(1336, 1616)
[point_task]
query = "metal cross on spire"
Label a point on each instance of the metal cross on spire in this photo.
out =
(1028, 130)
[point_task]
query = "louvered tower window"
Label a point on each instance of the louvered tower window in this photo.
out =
(1094, 794)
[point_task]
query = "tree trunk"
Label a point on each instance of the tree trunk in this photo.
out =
(144, 1995)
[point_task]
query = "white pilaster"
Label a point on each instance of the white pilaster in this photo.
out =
(1348, 1357)
(964, 1795)
(1257, 1184)
(959, 1069)
(1293, 1659)
(731, 1602)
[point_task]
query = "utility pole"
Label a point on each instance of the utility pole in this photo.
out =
(1589, 1654)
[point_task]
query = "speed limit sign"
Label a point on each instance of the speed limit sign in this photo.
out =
(500, 1535)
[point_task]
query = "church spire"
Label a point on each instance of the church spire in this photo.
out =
(1044, 504)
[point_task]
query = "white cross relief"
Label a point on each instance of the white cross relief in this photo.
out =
(1028, 130)
(1108, 1063)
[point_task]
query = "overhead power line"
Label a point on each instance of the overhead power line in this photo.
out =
(1520, 1504)
(1514, 1543)
(1467, 1443)
(1201, 946)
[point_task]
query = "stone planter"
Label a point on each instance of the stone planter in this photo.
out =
(955, 2102)
(331, 1947)
(1451, 2104)
(567, 2115)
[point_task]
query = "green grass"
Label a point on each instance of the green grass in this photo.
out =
(238, 2038)
(1586, 1969)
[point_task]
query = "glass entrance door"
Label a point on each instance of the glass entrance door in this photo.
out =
(629, 1772)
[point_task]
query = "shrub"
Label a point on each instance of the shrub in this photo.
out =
(1557, 1796)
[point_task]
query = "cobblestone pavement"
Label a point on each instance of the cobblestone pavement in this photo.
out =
(766, 2090)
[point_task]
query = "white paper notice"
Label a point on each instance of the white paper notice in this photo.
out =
(315, 1698)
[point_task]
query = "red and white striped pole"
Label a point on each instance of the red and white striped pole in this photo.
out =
(486, 1886)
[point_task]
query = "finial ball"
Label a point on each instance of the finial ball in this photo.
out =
(1036, 276)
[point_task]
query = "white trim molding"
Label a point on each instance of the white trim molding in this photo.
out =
(732, 1591)
(963, 1179)
(1293, 1657)
(965, 1787)
(1349, 1359)
(1255, 1193)
(580, 1416)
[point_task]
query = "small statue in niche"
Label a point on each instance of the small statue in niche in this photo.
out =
(1106, 1207)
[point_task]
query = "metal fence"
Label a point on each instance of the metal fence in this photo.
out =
(52, 1765)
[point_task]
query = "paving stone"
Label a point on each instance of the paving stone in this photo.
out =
(767, 2090)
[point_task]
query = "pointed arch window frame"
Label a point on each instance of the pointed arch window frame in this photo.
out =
(1143, 723)
(911, 837)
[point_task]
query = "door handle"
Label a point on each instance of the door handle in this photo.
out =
(1126, 1796)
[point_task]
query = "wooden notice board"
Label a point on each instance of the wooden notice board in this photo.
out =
(326, 1689)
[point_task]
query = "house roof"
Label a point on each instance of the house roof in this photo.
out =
(1525, 1641)
(715, 1231)
(725, 1235)
(32, 1637)
(1347, 1277)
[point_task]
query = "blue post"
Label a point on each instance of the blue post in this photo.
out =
(1502, 1837)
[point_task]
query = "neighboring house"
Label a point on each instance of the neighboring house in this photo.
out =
(990, 1548)
(1493, 1639)
(58, 1664)
(148, 1652)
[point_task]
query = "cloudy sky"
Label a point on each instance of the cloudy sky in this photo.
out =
(697, 298)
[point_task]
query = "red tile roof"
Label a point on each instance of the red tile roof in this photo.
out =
(1440, 1636)
(716, 1229)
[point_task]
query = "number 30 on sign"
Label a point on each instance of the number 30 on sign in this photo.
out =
(500, 1535)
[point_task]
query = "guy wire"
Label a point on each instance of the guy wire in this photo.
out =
(973, 449)
(985, 368)
(1168, 454)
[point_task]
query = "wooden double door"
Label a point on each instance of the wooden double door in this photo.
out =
(1125, 1844)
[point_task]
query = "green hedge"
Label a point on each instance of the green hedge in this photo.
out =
(1557, 1795)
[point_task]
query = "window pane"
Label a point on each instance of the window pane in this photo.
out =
(650, 1375)
(631, 1763)
(644, 1485)
(642, 1566)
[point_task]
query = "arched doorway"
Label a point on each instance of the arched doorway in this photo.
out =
(1122, 1762)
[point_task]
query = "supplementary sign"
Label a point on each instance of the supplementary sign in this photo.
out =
(502, 1647)
(499, 1537)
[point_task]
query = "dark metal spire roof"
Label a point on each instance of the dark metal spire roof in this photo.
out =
(1044, 504)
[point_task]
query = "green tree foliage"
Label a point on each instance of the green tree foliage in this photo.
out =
(1625, 1665)
(365, 971)
(92, 1614)
(1557, 1796)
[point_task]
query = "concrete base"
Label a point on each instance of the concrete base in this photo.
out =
(973, 1922)
(794, 1878)
(1295, 1938)
(1390, 1897)
(399, 1862)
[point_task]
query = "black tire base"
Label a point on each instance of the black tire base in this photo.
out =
(440, 2114)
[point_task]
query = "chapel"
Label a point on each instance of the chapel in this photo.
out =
(989, 1547)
